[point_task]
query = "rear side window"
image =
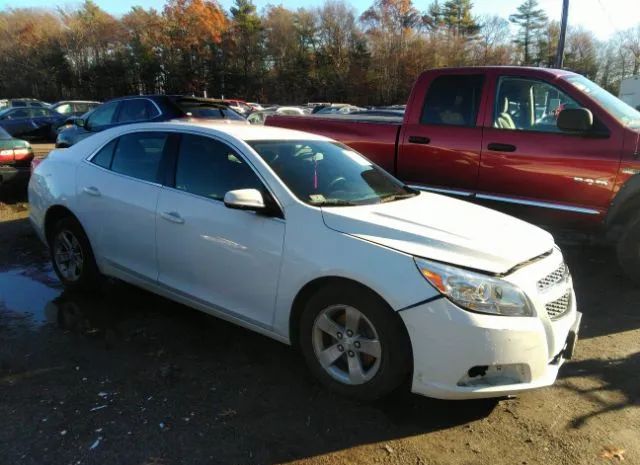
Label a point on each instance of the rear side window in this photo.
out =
(453, 100)
(210, 168)
(105, 155)
(18, 114)
(139, 154)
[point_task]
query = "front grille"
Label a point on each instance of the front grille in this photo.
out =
(553, 278)
(559, 307)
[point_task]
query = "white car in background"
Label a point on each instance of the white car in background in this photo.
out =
(300, 238)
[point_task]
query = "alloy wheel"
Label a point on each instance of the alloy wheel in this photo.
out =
(346, 344)
(67, 253)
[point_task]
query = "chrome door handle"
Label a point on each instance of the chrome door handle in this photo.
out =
(92, 191)
(174, 217)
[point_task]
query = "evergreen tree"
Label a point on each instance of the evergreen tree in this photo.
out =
(457, 16)
(530, 19)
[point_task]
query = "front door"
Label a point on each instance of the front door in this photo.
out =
(533, 169)
(118, 192)
(221, 257)
(440, 146)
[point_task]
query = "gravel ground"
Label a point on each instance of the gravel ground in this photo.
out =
(126, 377)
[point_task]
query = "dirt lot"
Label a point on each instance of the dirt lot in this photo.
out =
(125, 377)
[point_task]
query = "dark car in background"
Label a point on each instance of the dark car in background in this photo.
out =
(31, 122)
(74, 107)
(143, 108)
(15, 159)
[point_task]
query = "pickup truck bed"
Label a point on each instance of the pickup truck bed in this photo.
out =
(374, 136)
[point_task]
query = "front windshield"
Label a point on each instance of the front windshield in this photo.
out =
(624, 113)
(329, 173)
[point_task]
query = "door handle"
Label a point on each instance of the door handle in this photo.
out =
(419, 140)
(92, 191)
(174, 217)
(501, 147)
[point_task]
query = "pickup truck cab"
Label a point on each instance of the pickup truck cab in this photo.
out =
(547, 145)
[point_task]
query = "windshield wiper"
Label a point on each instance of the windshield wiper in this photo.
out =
(392, 197)
(333, 203)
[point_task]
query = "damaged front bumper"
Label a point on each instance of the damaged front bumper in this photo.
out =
(458, 354)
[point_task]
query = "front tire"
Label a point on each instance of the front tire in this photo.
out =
(353, 342)
(72, 256)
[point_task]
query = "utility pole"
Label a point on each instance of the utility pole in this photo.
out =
(563, 33)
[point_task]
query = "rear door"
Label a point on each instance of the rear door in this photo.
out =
(533, 169)
(118, 192)
(441, 139)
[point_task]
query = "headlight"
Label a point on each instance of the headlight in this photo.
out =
(475, 291)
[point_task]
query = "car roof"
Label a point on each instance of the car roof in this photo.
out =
(238, 130)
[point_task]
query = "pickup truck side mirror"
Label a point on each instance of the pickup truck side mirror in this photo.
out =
(575, 120)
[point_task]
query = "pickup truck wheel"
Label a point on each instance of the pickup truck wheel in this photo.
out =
(72, 256)
(628, 249)
(354, 343)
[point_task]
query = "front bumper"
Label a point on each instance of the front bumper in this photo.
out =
(459, 354)
(12, 174)
(468, 355)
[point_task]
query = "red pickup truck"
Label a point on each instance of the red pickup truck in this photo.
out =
(546, 145)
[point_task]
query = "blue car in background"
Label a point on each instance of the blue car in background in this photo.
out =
(31, 122)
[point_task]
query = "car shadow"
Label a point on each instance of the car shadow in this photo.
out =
(617, 388)
(224, 391)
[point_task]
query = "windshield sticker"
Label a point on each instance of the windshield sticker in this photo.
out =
(359, 159)
(316, 198)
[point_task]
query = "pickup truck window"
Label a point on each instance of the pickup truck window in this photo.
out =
(529, 105)
(323, 173)
(624, 113)
(453, 100)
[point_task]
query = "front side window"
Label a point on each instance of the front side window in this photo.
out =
(210, 168)
(136, 110)
(453, 100)
(529, 105)
(64, 109)
(103, 115)
(139, 154)
(329, 173)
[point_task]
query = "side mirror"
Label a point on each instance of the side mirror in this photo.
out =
(245, 199)
(80, 122)
(575, 120)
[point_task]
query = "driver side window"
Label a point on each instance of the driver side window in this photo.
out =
(210, 168)
(529, 105)
(103, 115)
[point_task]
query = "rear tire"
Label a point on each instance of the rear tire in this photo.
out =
(628, 249)
(353, 342)
(72, 256)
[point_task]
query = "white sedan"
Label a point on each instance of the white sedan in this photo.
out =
(302, 239)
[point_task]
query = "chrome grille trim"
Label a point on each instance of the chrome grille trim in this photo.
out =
(552, 279)
(559, 307)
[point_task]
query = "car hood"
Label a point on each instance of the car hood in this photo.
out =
(444, 229)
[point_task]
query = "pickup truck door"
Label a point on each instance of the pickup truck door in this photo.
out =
(531, 168)
(441, 138)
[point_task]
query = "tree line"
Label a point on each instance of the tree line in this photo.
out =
(328, 53)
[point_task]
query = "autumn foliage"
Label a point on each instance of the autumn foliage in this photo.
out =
(280, 55)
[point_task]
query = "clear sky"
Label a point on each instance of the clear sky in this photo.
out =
(603, 17)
